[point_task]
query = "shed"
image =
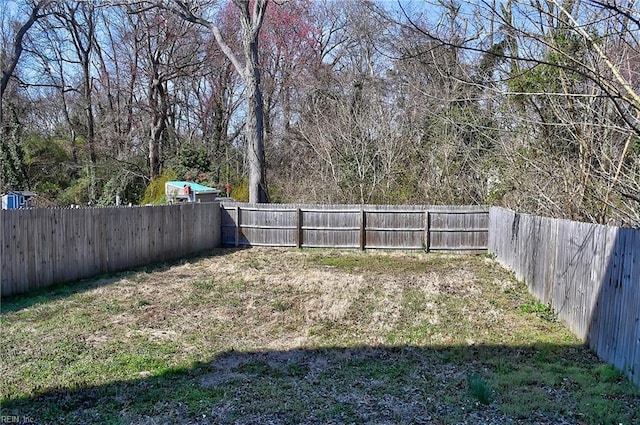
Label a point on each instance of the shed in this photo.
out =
(185, 191)
(17, 199)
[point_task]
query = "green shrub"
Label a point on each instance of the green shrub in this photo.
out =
(240, 192)
(77, 193)
(154, 194)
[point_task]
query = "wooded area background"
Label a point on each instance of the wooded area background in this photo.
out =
(533, 106)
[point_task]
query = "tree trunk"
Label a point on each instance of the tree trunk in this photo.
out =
(158, 103)
(251, 19)
(254, 130)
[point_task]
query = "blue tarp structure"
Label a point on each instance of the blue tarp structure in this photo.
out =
(175, 192)
(195, 187)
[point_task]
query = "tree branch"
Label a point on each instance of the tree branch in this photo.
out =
(185, 12)
(17, 45)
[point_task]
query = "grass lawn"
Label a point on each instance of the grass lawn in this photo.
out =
(302, 336)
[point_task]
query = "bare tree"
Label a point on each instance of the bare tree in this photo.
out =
(169, 52)
(10, 59)
(576, 102)
(79, 21)
(251, 18)
(12, 171)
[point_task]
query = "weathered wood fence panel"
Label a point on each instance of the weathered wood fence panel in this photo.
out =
(435, 228)
(40, 247)
(588, 273)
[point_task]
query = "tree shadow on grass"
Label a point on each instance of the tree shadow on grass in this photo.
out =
(537, 384)
(59, 291)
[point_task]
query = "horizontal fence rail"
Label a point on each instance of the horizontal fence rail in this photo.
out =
(432, 228)
(588, 273)
(40, 247)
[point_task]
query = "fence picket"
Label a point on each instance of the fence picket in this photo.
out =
(591, 278)
(590, 274)
(41, 247)
(449, 228)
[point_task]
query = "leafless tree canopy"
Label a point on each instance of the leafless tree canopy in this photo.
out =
(530, 105)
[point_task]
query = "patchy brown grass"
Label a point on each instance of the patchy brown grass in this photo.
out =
(290, 336)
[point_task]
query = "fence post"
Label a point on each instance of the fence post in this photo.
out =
(427, 231)
(237, 236)
(298, 227)
(363, 229)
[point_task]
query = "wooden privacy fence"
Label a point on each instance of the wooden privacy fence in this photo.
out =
(433, 228)
(589, 274)
(40, 247)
